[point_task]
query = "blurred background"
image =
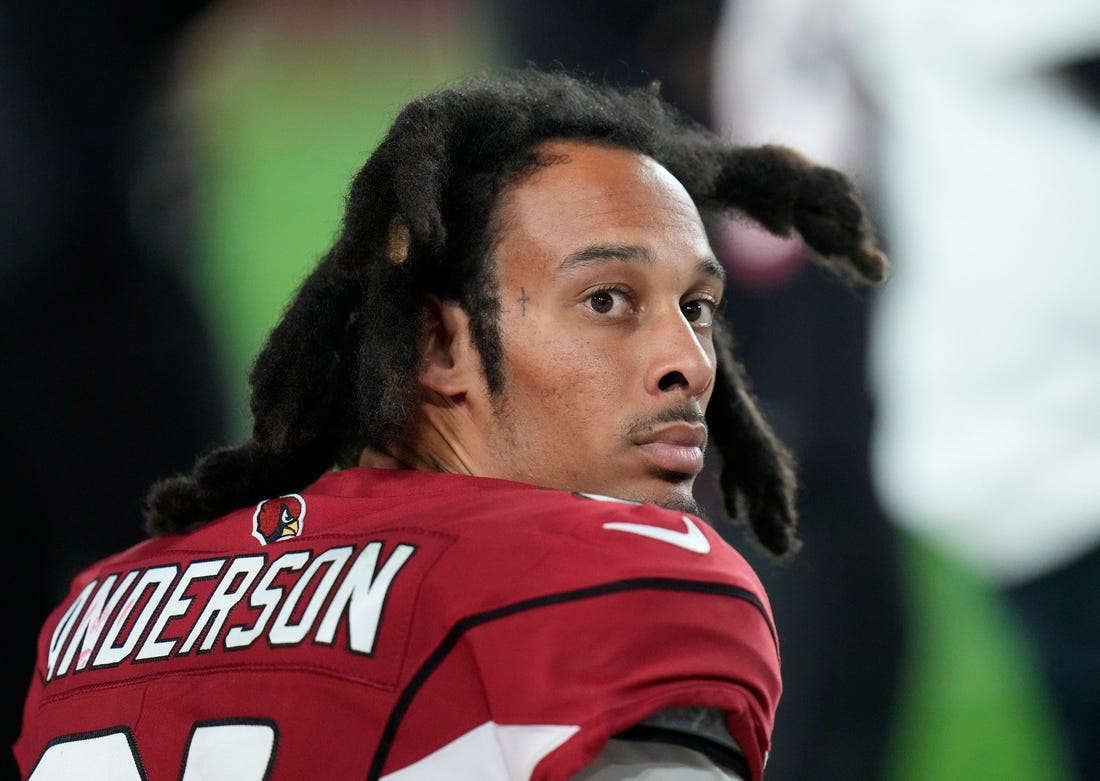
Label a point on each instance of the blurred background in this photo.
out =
(170, 172)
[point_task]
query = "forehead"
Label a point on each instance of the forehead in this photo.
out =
(588, 194)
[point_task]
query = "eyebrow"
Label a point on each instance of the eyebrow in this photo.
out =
(628, 253)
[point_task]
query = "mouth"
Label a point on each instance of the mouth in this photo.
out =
(676, 448)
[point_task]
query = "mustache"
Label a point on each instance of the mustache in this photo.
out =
(681, 413)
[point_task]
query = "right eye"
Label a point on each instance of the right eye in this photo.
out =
(608, 301)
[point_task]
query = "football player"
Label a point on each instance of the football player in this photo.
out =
(514, 358)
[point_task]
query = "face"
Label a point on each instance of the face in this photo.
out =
(608, 289)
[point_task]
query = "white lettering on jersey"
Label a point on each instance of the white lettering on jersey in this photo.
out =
(159, 579)
(692, 539)
(64, 626)
(267, 597)
(283, 632)
(91, 626)
(177, 605)
(363, 595)
(229, 592)
(254, 597)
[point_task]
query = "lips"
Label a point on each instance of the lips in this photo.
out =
(675, 448)
(682, 434)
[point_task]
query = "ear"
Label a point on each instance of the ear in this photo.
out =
(450, 365)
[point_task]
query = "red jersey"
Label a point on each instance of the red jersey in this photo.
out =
(399, 625)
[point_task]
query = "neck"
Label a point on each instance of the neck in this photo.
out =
(435, 443)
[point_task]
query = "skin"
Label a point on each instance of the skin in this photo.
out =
(608, 286)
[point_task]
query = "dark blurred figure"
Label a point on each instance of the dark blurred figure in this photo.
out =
(839, 604)
(624, 42)
(98, 323)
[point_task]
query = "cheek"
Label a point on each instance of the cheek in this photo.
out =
(713, 377)
(556, 376)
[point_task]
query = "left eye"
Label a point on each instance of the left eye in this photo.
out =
(699, 312)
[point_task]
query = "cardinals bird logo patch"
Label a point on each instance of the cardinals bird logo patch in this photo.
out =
(278, 519)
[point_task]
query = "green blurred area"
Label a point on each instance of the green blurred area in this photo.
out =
(283, 125)
(972, 707)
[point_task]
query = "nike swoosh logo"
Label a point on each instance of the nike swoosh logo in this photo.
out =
(692, 539)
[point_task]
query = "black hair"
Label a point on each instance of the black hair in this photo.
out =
(338, 372)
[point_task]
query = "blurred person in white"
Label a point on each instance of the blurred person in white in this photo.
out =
(985, 351)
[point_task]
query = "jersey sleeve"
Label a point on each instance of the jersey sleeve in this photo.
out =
(600, 634)
(626, 760)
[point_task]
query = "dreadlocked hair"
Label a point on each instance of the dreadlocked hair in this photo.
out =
(338, 373)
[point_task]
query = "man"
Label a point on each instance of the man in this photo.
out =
(520, 321)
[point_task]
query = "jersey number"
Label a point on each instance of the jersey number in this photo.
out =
(223, 750)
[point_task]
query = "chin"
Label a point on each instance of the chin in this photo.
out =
(677, 493)
(674, 495)
(684, 503)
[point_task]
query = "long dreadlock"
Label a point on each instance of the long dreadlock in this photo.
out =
(338, 372)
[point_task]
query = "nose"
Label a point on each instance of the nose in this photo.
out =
(681, 358)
